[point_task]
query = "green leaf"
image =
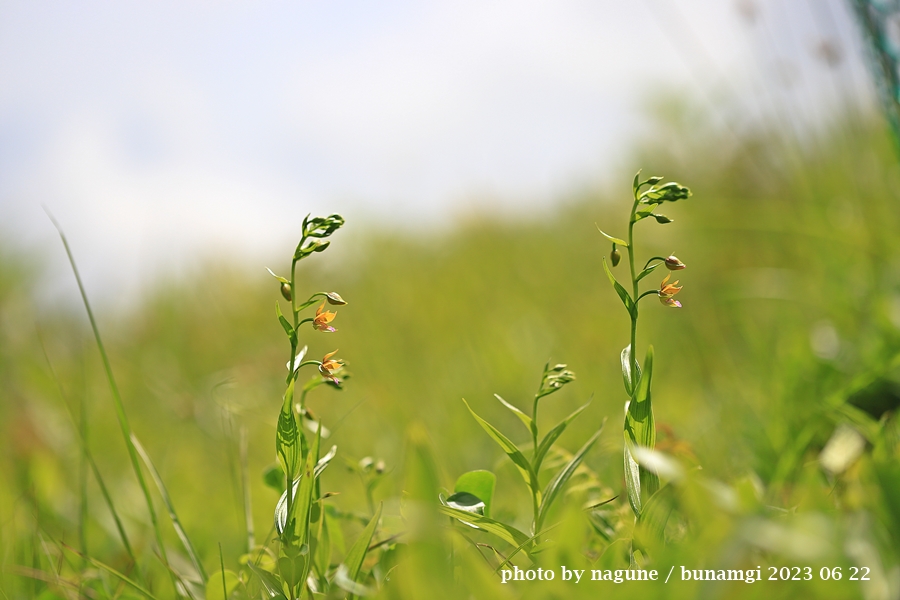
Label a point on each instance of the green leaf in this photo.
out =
(270, 582)
(278, 277)
(651, 525)
(511, 450)
(303, 501)
(287, 436)
(640, 430)
(614, 240)
(479, 483)
(467, 502)
(635, 185)
(529, 422)
(291, 569)
(216, 589)
(553, 435)
(357, 554)
(505, 532)
(623, 295)
(632, 480)
(557, 483)
(273, 477)
(647, 271)
(288, 328)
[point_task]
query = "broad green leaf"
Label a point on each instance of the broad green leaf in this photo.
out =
(176, 523)
(640, 430)
(505, 532)
(623, 295)
(625, 358)
(270, 582)
(322, 550)
(288, 328)
(614, 240)
(287, 436)
(529, 422)
(557, 483)
(480, 484)
(216, 589)
(511, 450)
(651, 525)
(291, 569)
(632, 479)
(304, 497)
(273, 477)
(467, 502)
(357, 554)
(553, 435)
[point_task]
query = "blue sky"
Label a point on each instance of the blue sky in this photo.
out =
(159, 131)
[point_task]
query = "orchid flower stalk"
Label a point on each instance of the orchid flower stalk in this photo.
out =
(640, 429)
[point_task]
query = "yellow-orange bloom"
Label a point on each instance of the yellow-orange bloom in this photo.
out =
(330, 366)
(323, 318)
(667, 291)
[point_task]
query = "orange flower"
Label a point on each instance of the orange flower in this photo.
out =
(330, 366)
(667, 291)
(323, 318)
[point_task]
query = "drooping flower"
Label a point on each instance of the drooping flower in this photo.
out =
(673, 264)
(667, 291)
(323, 318)
(330, 366)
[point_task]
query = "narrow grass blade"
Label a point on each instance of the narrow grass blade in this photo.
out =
(357, 553)
(557, 483)
(117, 400)
(176, 523)
(522, 546)
(511, 450)
(507, 533)
(553, 435)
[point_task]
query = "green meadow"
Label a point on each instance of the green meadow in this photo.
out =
(775, 396)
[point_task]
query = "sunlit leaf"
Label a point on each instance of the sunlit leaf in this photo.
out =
(501, 530)
(480, 484)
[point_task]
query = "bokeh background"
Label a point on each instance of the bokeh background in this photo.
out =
(472, 147)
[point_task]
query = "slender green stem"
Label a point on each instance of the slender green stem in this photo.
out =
(662, 258)
(634, 288)
(647, 293)
(119, 406)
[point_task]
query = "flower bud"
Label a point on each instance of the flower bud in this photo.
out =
(286, 291)
(335, 299)
(614, 256)
(662, 219)
(673, 264)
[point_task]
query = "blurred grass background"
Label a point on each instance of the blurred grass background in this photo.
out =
(791, 307)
